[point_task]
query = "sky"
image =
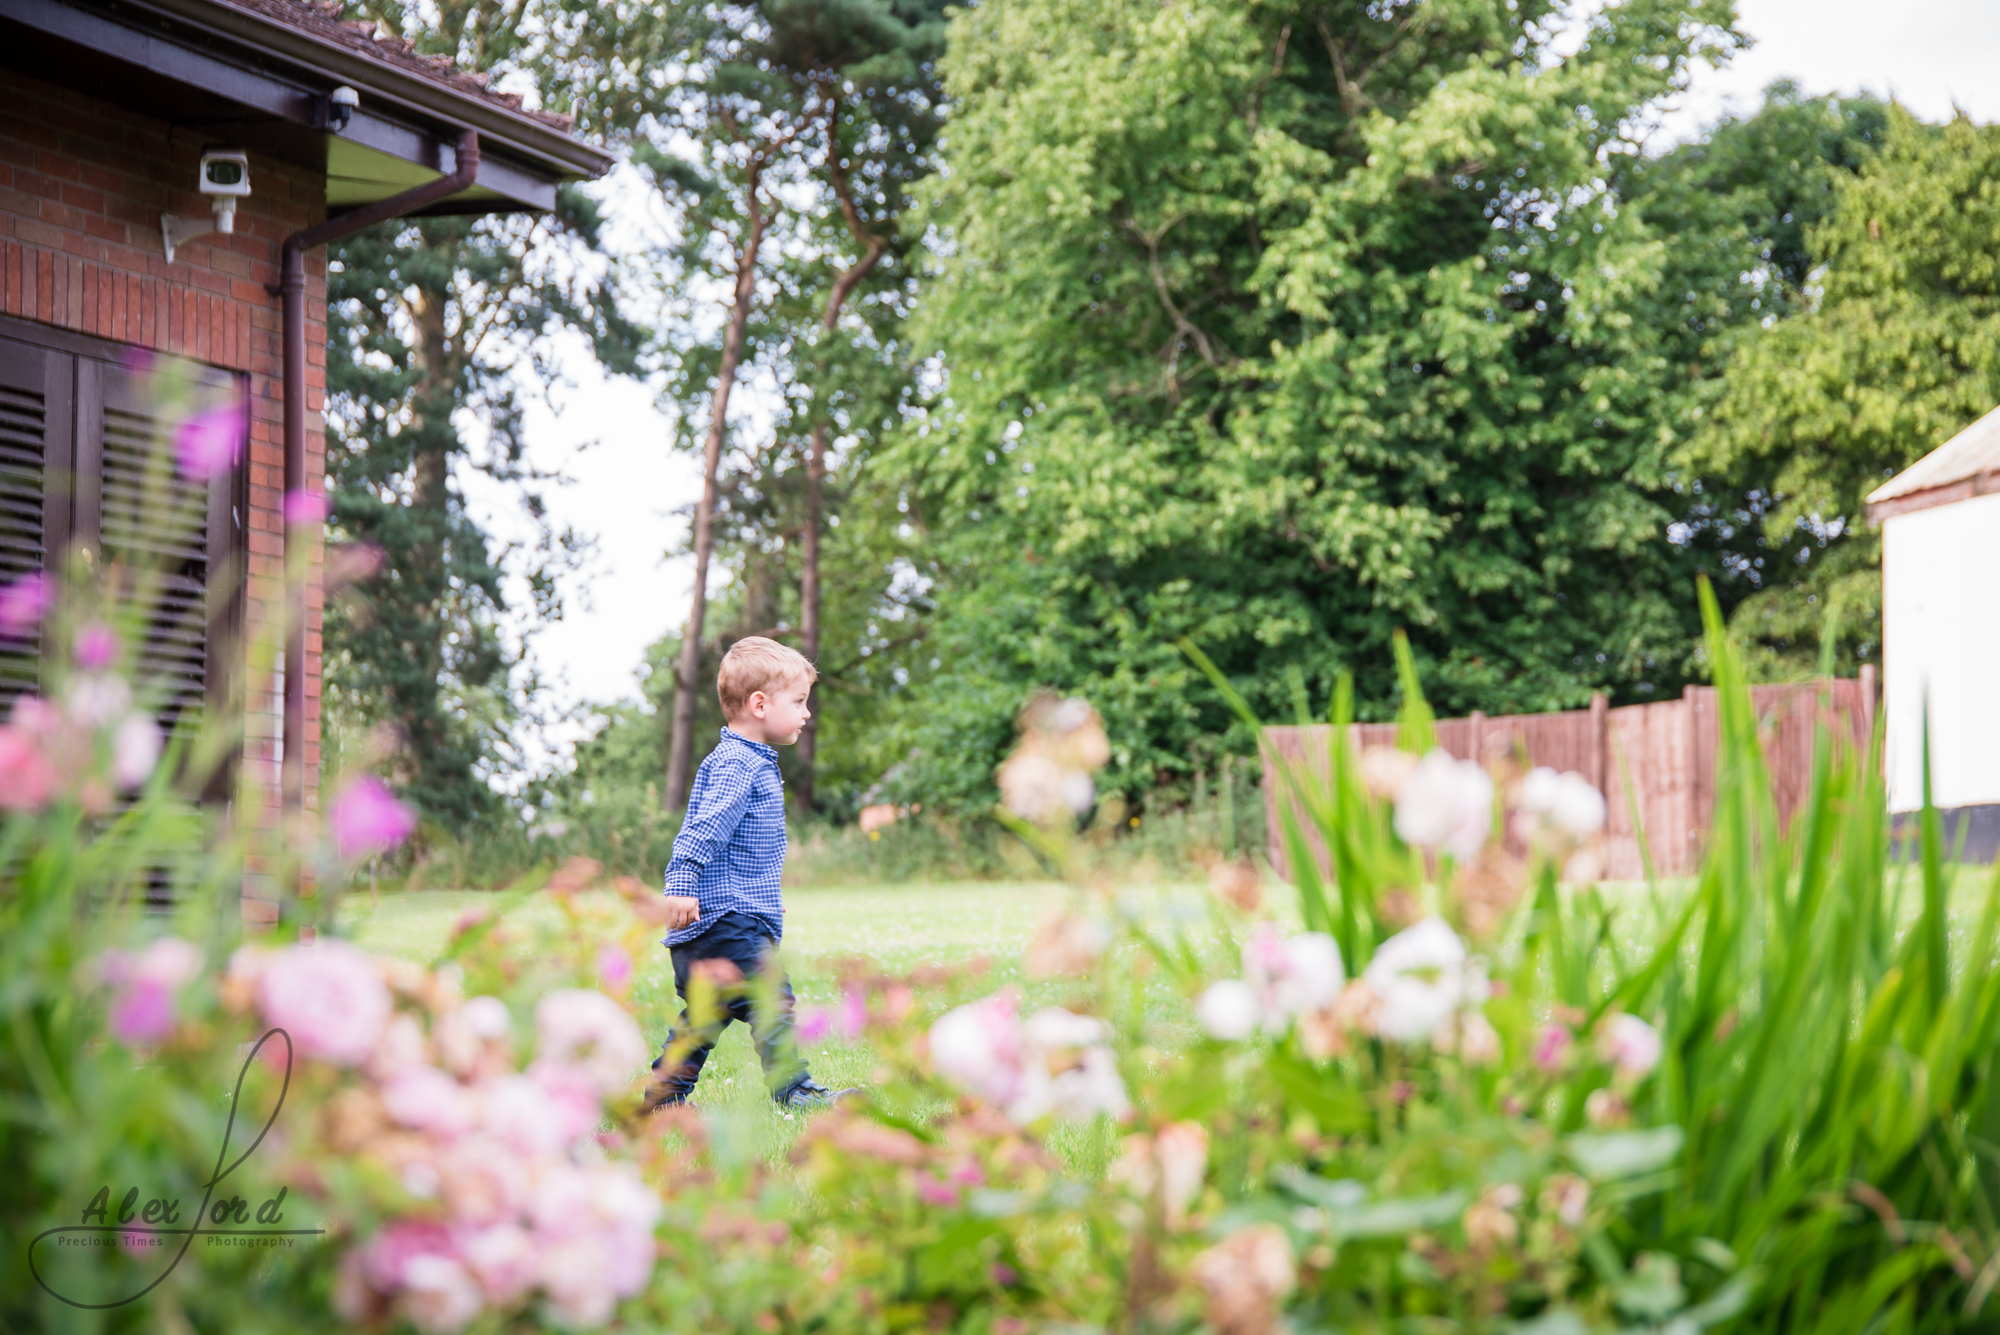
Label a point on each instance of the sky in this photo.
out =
(633, 494)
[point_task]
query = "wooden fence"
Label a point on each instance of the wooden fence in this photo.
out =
(1666, 749)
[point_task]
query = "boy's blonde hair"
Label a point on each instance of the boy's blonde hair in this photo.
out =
(754, 663)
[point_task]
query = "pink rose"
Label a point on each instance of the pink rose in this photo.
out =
(439, 1294)
(27, 778)
(386, 1257)
(427, 1099)
(142, 1006)
(503, 1260)
(813, 1024)
(96, 647)
(329, 997)
(852, 1016)
(24, 603)
(591, 1032)
(1552, 1047)
(210, 443)
(614, 967)
(366, 818)
(980, 1047)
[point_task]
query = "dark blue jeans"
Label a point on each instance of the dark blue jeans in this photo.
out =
(744, 942)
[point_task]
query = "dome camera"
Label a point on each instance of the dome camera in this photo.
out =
(341, 105)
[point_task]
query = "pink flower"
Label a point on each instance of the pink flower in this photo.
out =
(932, 1191)
(813, 1024)
(574, 1103)
(593, 1034)
(385, 1259)
(24, 603)
(209, 444)
(329, 997)
(427, 1099)
(502, 1258)
(302, 507)
(1552, 1047)
(520, 1114)
(1632, 1045)
(367, 818)
(138, 361)
(27, 779)
(96, 647)
(440, 1295)
(980, 1047)
(614, 967)
(594, 1229)
(142, 1014)
(142, 1006)
(135, 750)
(852, 1017)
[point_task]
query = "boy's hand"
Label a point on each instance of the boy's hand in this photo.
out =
(682, 910)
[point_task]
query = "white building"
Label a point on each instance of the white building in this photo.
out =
(1940, 522)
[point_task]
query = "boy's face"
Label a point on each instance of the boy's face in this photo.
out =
(776, 716)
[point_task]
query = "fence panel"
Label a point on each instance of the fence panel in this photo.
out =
(1655, 759)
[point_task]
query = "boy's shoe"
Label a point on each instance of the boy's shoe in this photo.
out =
(810, 1093)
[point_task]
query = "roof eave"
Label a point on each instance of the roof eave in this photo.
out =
(1950, 493)
(564, 155)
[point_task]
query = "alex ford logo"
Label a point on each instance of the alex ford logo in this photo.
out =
(159, 1225)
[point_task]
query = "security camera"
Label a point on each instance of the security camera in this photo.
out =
(341, 104)
(225, 171)
(225, 176)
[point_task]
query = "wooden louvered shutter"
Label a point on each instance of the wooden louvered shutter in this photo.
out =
(132, 507)
(37, 415)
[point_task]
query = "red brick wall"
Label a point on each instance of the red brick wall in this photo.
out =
(82, 186)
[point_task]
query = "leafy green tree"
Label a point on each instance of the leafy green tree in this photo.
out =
(1283, 325)
(429, 323)
(1898, 350)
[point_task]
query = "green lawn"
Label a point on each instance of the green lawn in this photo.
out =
(899, 927)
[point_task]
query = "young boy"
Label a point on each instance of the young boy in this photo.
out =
(723, 880)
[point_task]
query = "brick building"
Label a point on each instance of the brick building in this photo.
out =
(114, 116)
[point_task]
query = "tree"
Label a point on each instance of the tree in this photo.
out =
(427, 322)
(830, 108)
(1283, 325)
(1898, 350)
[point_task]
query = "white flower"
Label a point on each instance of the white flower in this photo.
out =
(98, 700)
(1057, 1062)
(1181, 1150)
(1567, 801)
(1423, 978)
(1291, 976)
(1228, 1010)
(1083, 1079)
(1630, 1044)
(589, 1031)
(1447, 805)
(135, 749)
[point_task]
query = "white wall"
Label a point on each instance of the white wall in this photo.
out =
(1941, 624)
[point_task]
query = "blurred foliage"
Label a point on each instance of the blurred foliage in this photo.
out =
(1896, 350)
(1283, 326)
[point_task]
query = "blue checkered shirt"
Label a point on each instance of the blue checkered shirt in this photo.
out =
(730, 853)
